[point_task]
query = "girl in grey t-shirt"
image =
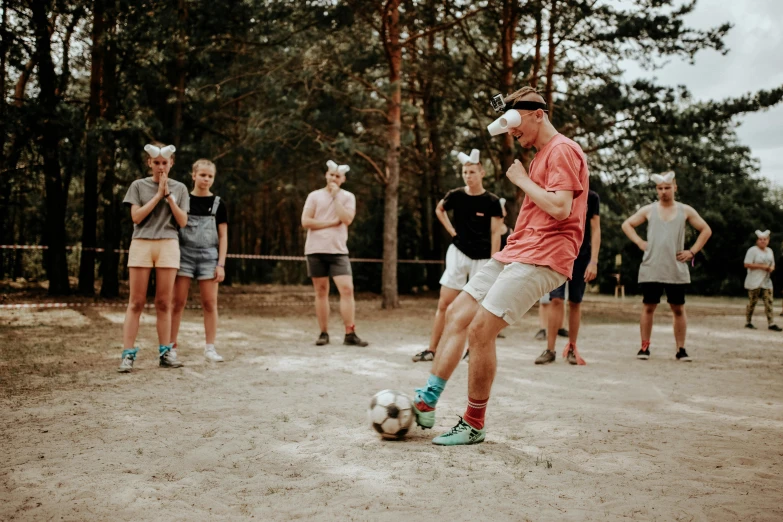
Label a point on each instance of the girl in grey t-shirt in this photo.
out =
(158, 206)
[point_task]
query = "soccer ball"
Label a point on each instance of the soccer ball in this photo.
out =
(391, 414)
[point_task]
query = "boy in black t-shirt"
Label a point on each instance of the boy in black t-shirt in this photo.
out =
(203, 247)
(475, 230)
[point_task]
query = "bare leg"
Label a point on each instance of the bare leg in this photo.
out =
(574, 321)
(556, 312)
(483, 331)
(447, 296)
(646, 322)
(164, 291)
(181, 291)
(680, 324)
(208, 289)
(452, 343)
(321, 286)
(344, 284)
(139, 278)
(543, 316)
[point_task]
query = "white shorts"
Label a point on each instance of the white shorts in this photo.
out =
(510, 290)
(459, 268)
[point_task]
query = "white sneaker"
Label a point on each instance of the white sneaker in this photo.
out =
(128, 356)
(211, 355)
(126, 366)
(168, 359)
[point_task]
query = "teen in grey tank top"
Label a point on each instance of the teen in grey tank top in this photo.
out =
(664, 240)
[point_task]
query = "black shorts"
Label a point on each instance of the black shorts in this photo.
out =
(577, 285)
(652, 292)
(325, 265)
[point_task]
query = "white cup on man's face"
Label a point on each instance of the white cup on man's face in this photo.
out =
(505, 123)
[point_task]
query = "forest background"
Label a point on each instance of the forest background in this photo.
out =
(270, 90)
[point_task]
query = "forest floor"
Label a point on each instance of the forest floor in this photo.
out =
(279, 431)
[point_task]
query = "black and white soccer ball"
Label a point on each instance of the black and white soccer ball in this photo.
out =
(391, 414)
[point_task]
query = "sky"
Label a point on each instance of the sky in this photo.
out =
(754, 62)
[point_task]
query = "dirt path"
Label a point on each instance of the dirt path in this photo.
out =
(279, 431)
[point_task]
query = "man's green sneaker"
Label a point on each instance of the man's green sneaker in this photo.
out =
(425, 419)
(462, 433)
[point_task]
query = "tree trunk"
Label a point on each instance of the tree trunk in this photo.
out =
(550, 64)
(182, 10)
(537, 59)
(110, 263)
(507, 41)
(5, 181)
(55, 261)
(391, 22)
(93, 145)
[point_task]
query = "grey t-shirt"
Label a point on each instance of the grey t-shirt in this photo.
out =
(159, 224)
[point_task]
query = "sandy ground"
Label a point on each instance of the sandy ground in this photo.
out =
(279, 431)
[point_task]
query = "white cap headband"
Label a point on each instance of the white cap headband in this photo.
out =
(154, 151)
(473, 158)
(666, 177)
(762, 235)
(333, 167)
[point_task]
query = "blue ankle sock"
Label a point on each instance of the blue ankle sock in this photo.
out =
(431, 393)
(163, 348)
(130, 351)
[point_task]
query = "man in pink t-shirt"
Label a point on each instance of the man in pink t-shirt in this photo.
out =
(326, 216)
(538, 258)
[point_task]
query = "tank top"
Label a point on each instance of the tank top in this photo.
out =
(664, 240)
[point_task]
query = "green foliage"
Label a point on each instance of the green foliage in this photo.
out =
(272, 89)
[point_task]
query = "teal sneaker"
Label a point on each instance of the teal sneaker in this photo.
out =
(462, 433)
(425, 419)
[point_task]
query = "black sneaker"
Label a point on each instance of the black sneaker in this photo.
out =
(750, 326)
(541, 335)
(466, 357)
(424, 356)
(322, 339)
(775, 328)
(546, 357)
(354, 340)
(682, 355)
(643, 354)
(562, 332)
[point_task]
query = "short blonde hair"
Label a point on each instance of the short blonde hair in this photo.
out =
(203, 163)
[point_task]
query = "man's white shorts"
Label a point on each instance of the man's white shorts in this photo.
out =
(459, 268)
(510, 290)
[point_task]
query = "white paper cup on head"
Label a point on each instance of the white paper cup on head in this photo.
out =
(494, 128)
(506, 122)
(510, 120)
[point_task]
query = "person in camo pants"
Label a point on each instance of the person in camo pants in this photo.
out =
(760, 262)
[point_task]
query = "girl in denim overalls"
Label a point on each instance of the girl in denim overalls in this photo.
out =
(203, 244)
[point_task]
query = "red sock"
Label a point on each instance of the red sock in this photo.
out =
(474, 415)
(645, 344)
(423, 406)
(350, 328)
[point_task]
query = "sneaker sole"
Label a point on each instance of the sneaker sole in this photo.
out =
(642, 357)
(123, 370)
(684, 359)
(469, 443)
(544, 362)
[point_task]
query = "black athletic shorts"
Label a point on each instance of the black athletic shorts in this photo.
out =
(577, 285)
(652, 292)
(325, 265)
